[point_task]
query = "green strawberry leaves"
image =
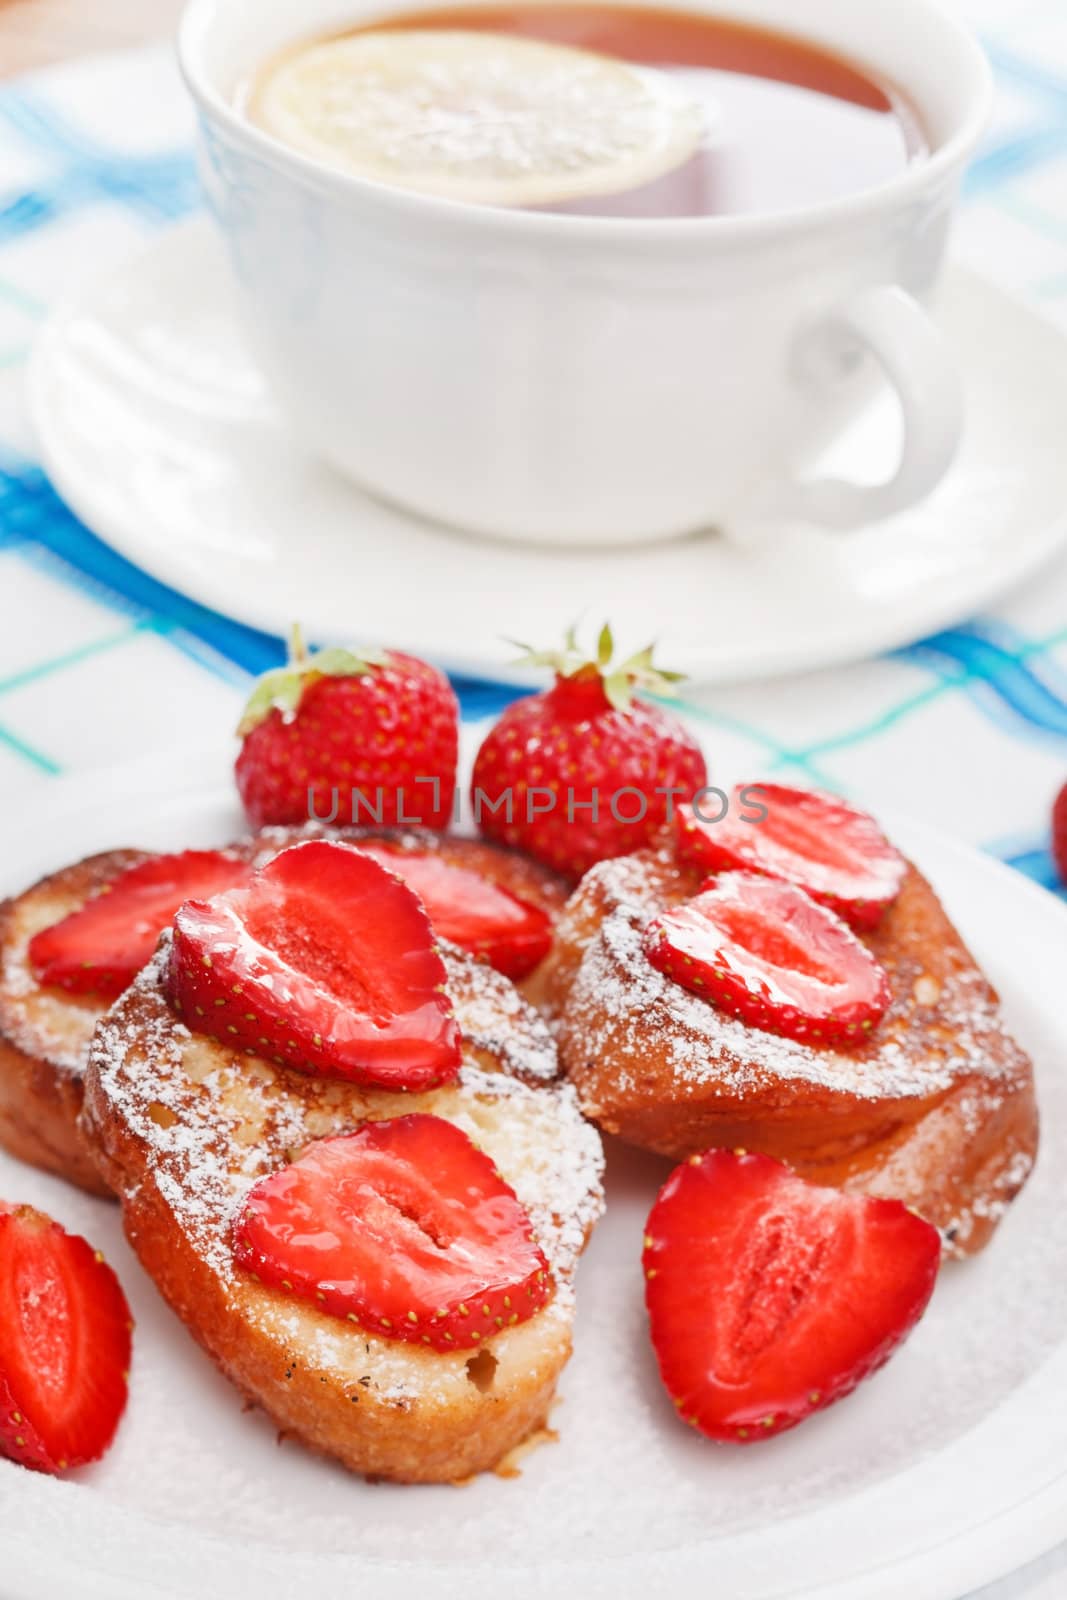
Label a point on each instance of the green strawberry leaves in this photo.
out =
(282, 688)
(638, 672)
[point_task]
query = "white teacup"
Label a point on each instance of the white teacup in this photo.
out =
(538, 376)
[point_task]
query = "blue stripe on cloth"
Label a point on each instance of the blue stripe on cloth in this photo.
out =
(22, 213)
(1034, 860)
(484, 697)
(34, 520)
(42, 125)
(1031, 74)
(31, 512)
(161, 186)
(30, 753)
(71, 658)
(162, 189)
(162, 192)
(1013, 157)
(994, 673)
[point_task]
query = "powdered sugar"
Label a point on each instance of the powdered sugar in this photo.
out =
(625, 1486)
(51, 1024)
(41, 1023)
(934, 1107)
(198, 1124)
(56, 1026)
(497, 1022)
(212, 1121)
(619, 1001)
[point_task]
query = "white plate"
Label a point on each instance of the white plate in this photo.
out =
(157, 429)
(941, 1473)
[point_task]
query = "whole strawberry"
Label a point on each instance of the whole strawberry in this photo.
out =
(349, 736)
(1059, 834)
(585, 770)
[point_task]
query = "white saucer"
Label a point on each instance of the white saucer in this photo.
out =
(941, 1473)
(156, 428)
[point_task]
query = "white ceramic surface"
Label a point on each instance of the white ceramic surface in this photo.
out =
(528, 375)
(945, 1470)
(157, 427)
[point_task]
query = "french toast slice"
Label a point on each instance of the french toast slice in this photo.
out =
(184, 1126)
(936, 1107)
(45, 1032)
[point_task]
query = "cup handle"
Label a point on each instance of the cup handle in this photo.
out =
(915, 359)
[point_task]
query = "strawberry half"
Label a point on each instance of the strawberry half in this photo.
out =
(324, 962)
(766, 953)
(64, 1344)
(473, 912)
(100, 948)
(826, 847)
(769, 1297)
(403, 1227)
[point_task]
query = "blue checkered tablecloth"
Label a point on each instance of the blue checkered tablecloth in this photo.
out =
(98, 662)
(968, 728)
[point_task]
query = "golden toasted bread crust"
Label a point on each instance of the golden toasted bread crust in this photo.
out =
(44, 1033)
(39, 1118)
(936, 1108)
(183, 1126)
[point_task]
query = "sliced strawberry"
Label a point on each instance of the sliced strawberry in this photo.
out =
(770, 1298)
(403, 1227)
(768, 954)
(472, 911)
(100, 948)
(64, 1344)
(835, 853)
(323, 961)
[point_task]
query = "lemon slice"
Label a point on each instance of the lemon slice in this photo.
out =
(483, 117)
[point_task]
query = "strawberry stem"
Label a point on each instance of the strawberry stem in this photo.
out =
(637, 672)
(281, 688)
(298, 650)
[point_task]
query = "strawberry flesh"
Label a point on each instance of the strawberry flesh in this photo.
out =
(403, 1227)
(769, 1297)
(64, 1345)
(101, 947)
(765, 952)
(472, 911)
(837, 854)
(323, 961)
